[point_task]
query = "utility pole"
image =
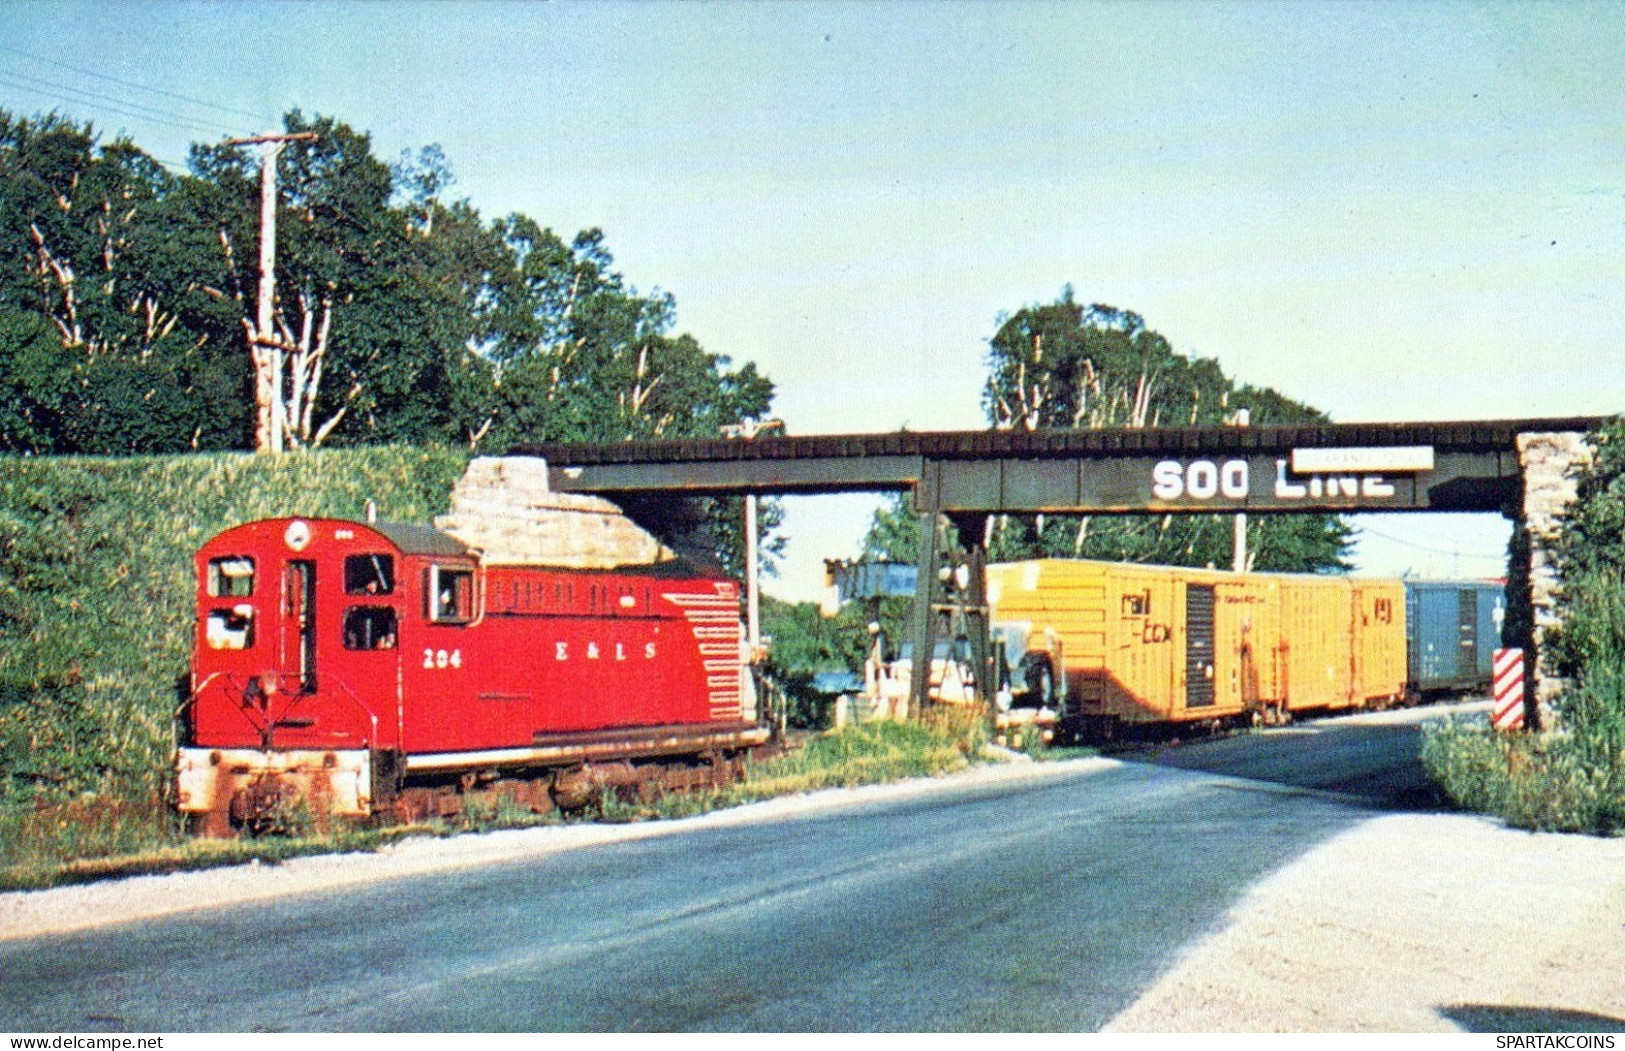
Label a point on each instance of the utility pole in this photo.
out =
(1238, 556)
(264, 346)
(753, 603)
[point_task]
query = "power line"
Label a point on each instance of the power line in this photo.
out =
(123, 107)
(177, 167)
(139, 108)
(119, 106)
(1414, 524)
(259, 117)
(1428, 548)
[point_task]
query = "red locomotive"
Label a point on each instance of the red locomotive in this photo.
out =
(379, 668)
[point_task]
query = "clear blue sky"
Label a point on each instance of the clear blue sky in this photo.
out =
(1391, 211)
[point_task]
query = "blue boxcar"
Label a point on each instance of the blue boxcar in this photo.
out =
(1452, 629)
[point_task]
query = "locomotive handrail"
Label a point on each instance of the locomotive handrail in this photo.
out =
(479, 597)
(243, 710)
(180, 710)
(270, 723)
(191, 699)
(372, 738)
(368, 742)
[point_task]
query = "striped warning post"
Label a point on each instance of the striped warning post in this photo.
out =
(1507, 690)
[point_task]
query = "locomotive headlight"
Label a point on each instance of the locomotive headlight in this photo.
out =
(268, 683)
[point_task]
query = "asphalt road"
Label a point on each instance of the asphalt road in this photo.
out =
(1374, 757)
(1041, 905)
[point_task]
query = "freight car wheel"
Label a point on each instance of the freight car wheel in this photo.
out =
(1099, 729)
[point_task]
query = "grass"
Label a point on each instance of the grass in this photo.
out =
(859, 754)
(1056, 753)
(52, 843)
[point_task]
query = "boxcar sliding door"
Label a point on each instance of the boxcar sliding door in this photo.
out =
(1199, 671)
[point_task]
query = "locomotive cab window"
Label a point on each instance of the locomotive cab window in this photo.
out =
(231, 577)
(369, 628)
(230, 629)
(371, 574)
(450, 594)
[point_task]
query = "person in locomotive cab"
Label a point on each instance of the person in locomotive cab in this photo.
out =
(446, 603)
(369, 628)
(230, 629)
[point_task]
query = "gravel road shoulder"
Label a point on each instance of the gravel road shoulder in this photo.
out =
(1413, 923)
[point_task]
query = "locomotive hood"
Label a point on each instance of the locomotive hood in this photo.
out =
(422, 540)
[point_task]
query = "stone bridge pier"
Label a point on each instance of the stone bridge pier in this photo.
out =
(1550, 462)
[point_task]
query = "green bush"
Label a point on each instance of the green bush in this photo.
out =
(1547, 782)
(1593, 707)
(1588, 649)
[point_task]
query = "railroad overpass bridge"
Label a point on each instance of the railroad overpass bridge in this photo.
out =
(1518, 468)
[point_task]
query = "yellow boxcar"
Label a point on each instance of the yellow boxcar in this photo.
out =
(1381, 673)
(1157, 644)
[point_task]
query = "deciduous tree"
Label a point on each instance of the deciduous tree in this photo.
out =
(1066, 365)
(97, 243)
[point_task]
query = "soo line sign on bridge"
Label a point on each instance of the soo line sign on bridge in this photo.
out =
(1307, 474)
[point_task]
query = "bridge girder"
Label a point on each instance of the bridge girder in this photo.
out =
(1339, 468)
(1470, 466)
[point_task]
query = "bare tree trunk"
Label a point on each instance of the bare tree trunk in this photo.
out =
(306, 363)
(66, 318)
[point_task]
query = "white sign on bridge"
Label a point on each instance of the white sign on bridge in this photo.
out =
(1349, 460)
